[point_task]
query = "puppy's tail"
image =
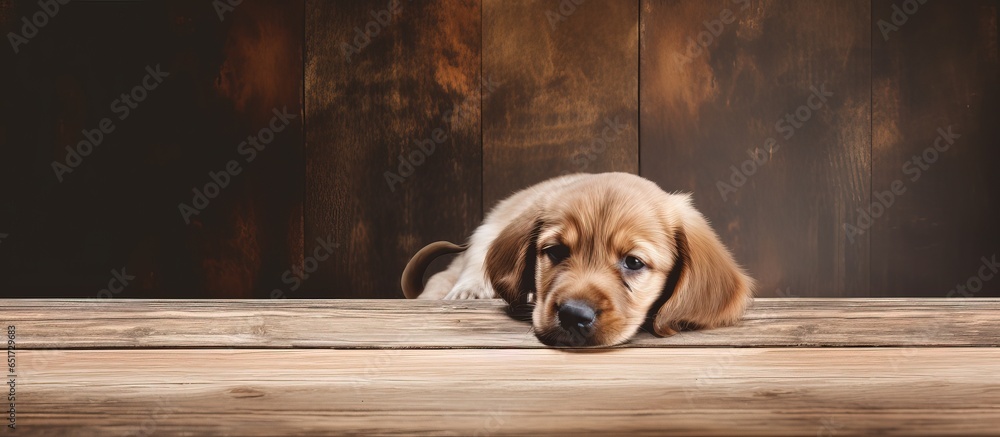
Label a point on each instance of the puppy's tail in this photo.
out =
(413, 275)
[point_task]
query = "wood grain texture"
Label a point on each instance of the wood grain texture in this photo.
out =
(322, 367)
(415, 81)
(952, 391)
(381, 324)
(533, 84)
(565, 91)
(717, 80)
(118, 210)
(939, 70)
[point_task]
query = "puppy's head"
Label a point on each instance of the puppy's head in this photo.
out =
(603, 252)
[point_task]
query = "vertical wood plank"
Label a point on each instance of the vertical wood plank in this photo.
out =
(409, 92)
(118, 210)
(565, 91)
(935, 68)
(718, 79)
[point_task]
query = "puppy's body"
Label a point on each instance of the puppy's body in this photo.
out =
(596, 252)
(465, 277)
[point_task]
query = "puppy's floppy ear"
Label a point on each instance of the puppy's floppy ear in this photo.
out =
(510, 260)
(711, 289)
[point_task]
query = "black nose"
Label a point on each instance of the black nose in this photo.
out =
(576, 316)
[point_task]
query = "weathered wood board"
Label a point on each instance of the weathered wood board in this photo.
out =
(367, 324)
(393, 142)
(936, 96)
(762, 110)
(321, 367)
(562, 91)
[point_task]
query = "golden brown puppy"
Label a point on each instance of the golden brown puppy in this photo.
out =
(596, 254)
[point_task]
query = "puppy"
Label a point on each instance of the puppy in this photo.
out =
(598, 256)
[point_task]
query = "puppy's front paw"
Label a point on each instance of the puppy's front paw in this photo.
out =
(470, 291)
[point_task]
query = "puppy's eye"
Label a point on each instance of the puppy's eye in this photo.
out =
(633, 263)
(556, 253)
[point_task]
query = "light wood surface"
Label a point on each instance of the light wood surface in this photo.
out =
(119, 367)
(374, 324)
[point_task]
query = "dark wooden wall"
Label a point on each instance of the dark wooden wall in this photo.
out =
(393, 149)
(713, 124)
(119, 209)
(939, 70)
(481, 98)
(564, 95)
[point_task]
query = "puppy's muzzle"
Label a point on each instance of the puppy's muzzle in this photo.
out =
(577, 316)
(576, 324)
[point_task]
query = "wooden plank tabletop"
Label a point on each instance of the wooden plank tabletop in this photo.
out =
(285, 367)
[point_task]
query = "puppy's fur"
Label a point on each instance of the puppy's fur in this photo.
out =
(577, 239)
